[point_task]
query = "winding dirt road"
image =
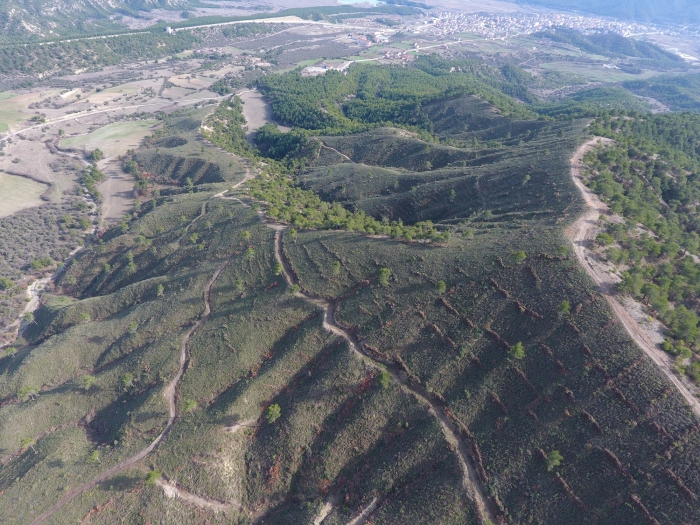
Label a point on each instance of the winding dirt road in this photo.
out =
(582, 233)
(324, 146)
(168, 393)
(470, 480)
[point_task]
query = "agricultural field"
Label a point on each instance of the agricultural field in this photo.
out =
(595, 72)
(113, 139)
(14, 108)
(19, 193)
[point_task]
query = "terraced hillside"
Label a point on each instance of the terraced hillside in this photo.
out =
(202, 363)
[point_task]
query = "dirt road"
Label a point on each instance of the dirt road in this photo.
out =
(173, 491)
(582, 233)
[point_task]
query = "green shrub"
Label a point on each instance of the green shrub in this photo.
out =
(273, 413)
(27, 392)
(604, 239)
(127, 379)
(88, 381)
(564, 308)
(384, 276)
(517, 351)
(189, 405)
(94, 457)
(152, 477)
(41, 262)
(519, 257)
(384, 379)
(554, 459)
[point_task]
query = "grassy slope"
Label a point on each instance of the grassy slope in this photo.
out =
(260, 346)
(19, 193)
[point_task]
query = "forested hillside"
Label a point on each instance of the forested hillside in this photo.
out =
(47, 59)
(680, 93)
(651, 177)
(46, 18)
(369, 95)
(613, 45)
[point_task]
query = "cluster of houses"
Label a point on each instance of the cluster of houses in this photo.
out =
(369, 40)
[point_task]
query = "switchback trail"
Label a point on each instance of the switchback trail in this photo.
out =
(470, 480)
(168, 393)
(581, 233)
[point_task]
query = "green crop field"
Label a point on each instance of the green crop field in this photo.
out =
(15, 108)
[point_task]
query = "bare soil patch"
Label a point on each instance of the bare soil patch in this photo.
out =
(257, 112)
(117, 191)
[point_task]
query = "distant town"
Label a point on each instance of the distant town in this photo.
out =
(507, 26)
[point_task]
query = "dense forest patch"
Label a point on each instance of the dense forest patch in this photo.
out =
(650, 176)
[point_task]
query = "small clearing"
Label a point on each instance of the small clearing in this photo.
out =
(19, 193)
(257, 112)
(117, 190)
